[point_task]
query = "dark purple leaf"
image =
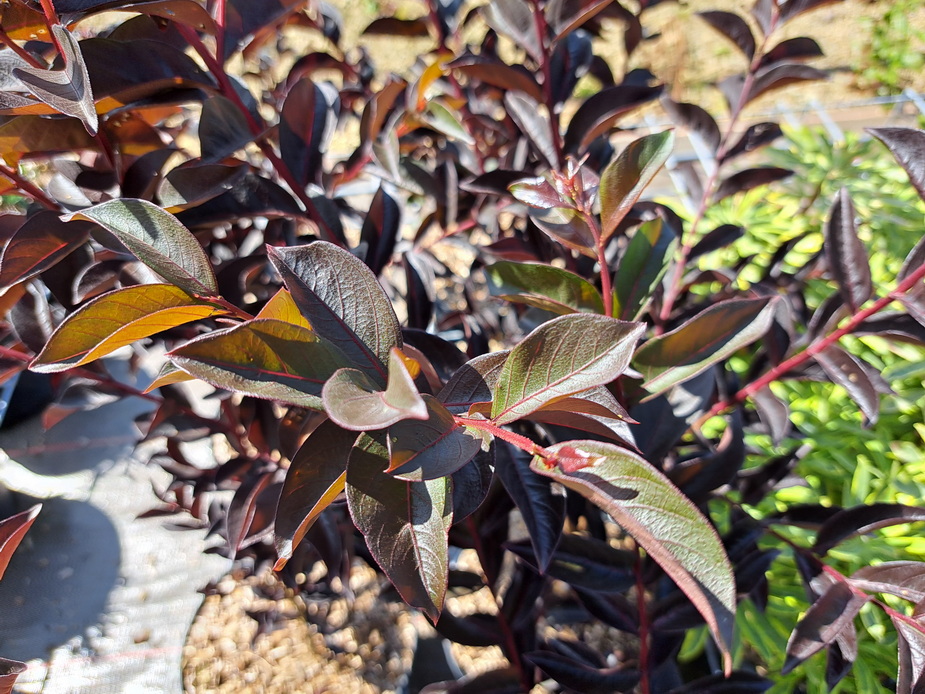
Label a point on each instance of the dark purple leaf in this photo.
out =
(780, 75)
(895, 325)
(584, 562)
(581, 677)
(774, 412)
(642, 267)
(800, 48)
(846, 253)
(699, 476)
(471, 484)
(247, 519)
(734, 28)
(720, 237)
(191, 184)
(494, 182)
(475, 630)
(851, 373)
(380, 230)
(475, 381)
(306, 123)
(910, 635)
(792, 8)
(12, 531)
(393, 26)
(861, 520)
(908, 147)
(421, 293)
(748, 179)
(840, 656)
(696, 119)
(757, 136)
(244, 18)
(501, 681)
(533, 121)
(738, 682)
(826, 618)
(37, 245)
(599, 112)
(498, 74)
(762, 12)
(613, 609)
(541, 505)
(223, 129)
(514, 19)
(914, 260)
(251, 196)
(564, 16)
(905, 579)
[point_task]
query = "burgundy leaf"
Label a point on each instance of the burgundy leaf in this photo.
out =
(792, 8)
(748, 179)
(739, 682)
(861, 520)
(910, 635)
(757, 135)
(851, 373)
(476, 630)
(774, 412)
(498, 74)
(840, 656)
(734, 28)
(12, 531)
(908, 148)
(846, 253)
(762, 11)
(541, 505)
(826, 618)
(780, 75)
(905, 579)
(720, 237)
(380, 230)
(696, 119)
(534, 123)
(306, 123)
(242, 521)
(494, 182)
(393, 26)
(514, 19)
(472, 482)
(9, 671)
(599, 112)
(37, 245)
(581, 677)
(800, 48)
(914, 260)
(584, 562)
(564, 16)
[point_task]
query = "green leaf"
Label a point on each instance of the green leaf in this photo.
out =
(405, 524)
(705, 339)
(441, 119)
(343, 301)
(543, 286)
(265, 358)
(426, 450)
(117, 319)
(659, 517)
(157, 239)
(627, 176)
(564, 356)
(354, 401)
(642, 268)
(316, 476)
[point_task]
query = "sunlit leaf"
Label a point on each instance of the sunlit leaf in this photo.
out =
(846, 253)
(307, 121)
(659, 517)
(282, 307)
(12, 531)
(908, 148)
(37, 245)
(734, 28)
(544, 286)
(568, 354)
(707, 338)
(905, 579)
(910, 635)
(625, 178)
(354, 401)
(863, 519)
(158, 240)
(117, 319)
(265, 358)
(316, 476)
(9, 671)
(405, 524)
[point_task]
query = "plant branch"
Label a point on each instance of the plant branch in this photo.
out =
(816, 347)
(540, 21)
(28, 188)
(7, 41)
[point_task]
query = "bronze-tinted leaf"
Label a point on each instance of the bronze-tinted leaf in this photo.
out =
(544, 286)
(405, 524)
(12, 531)
(498, 74)
(905, 579)
(34, 135)
(67, 90)
(851, 373)
(659, 517)
(117, 319)
(826, 618)
(264, 358)
(734, 28)
(642, 267)
(316, 476)
(748, 179)
(306, 124)
(599, 112)
(37, 245)
(9, 671)
(860, 520)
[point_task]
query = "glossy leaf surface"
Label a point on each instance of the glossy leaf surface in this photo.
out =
(564, 356)
(544, 286)
(117, 319)
(905, 579)
(826, 618)
(847, 254)
(12, 531)
(642, 266)
(661, 519)
(37, 245)
(863, 519)
(157, 239)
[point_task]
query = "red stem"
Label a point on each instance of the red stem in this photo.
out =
(28, 188)
(816, 347)
(7, 41)
(220, 29)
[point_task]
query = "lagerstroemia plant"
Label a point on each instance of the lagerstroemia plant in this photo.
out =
(254, 260)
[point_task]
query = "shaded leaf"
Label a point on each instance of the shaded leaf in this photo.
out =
(12, 531)
(353, 400)
(37, 245)
(659, 517)
(739, 682)
(774, 412)
(707, 338)
(474, 381)
(826, 618)
(594, 411)
(476, 630)
(905, 579)
(157, 239)
(534, 123)
(720, 237)
(625, 178)
(472, 482)
(911, 642)
(564, 16)
(188, 186)
(307, 121)
(67, 90)
(393, 26)
(544, 286)
(117, 319)
(583, 562)
(799, 48)
(514, 19)
(913, 261)
(847, 255)
(32, 135)
(432, 448)
(405, 524)
(316, 476)
(541, 505)
(781, 75)
(908, 148)
(498, 74)
(265, 358)
(849, 372)
(734, 28)
(564, 356)
(757, 136)
(342, 300)
(749, 178)
(600, 111)
(695, 119)
(567, 226)
(861, 520)
(380, 230)
(223, 129)
(582, 677)
(642, 267)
